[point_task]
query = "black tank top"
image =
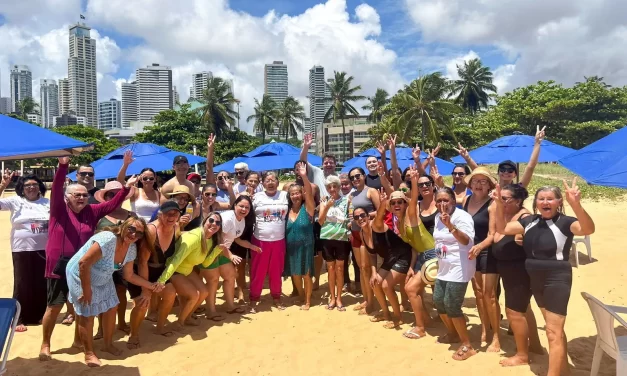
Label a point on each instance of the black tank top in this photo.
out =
(481, 219)
(161, 255)
(386, 244)
(507, 249)
(428, 221)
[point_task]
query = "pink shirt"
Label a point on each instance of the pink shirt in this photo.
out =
(68, 231)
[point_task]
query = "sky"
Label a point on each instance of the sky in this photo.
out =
(381, 43)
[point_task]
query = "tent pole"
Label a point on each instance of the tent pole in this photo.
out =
(21, 167)
(196, 165)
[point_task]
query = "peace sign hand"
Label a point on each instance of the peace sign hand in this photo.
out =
(211, 141)
(572, 193)
(496, 194)
(380, 147)
(462, 151)
(540, 134)
(415, 152)
(392, 141)
(7, 176)
(435, 151)
(383, 197)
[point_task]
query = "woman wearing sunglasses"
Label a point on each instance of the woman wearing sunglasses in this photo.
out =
(198, 247)
(90, 282)
(459, 185)
(234, 222)
(367, 198)
(146, 198)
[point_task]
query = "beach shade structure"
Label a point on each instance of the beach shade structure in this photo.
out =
(270, 156)
(603, 162)
(159, 158)
(403, 157)
(23, 140)
(516, 148)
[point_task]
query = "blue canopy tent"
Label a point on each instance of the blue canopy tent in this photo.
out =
(516, 148)
(23, 140)
(271, 156)
(603, 162)
(159, 158)
(403, 156)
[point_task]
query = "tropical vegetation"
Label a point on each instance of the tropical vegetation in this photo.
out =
(218, 106)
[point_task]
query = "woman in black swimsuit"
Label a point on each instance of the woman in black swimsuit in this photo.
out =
(510, 256)
(161, 236)
(548, 236)
(397, 256)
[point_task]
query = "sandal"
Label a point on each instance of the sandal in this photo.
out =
(341, 308)
(279, 306)
(68, 319)
(464, 353)
(236, 310)
(330, 307)
(392, 325)
(377, 318)
(216, 318)
(411, 334)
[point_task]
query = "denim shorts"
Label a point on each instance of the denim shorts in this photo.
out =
(422, 258)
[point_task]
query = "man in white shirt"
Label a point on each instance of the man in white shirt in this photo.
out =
(315, 174)
(241, 171)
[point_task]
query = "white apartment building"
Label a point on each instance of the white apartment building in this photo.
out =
(21, 85)
(129, 103)
(154, 91)
(82, 74)
(275, 81)
(48, 102)
(110, 114)
(199, 83)
(331, 139)
(34, 118)
(64, 96)
(5, 105)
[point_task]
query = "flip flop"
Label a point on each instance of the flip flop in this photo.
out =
(236, 310)
(199, 310)
(377, 318)
(330, 307)
(216, 318)
(464, 353)
(412, 335)
(341, 308)
(68, 319)
(392, 325)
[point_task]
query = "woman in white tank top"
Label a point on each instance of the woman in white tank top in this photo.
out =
(146, 200)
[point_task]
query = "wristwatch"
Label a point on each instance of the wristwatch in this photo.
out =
(453, 229)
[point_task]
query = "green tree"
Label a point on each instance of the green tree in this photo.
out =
(424, 106)
(27, 106)
(290, 116)
(376, 104)
(342, 94)
(265, 116)
(217, 112)
(102, 144)
(472, 87)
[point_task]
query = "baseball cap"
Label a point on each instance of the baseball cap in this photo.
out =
(510, 164)
(180, 158)
(168, 206)
(193, 175)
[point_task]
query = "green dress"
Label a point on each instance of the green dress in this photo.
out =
(299, 256)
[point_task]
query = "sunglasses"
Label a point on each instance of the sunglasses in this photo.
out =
(148, 179)
(240, 173)
(397, 202)
(80, 195)
(222, 177)
(508, 170)
(459, 173)
(83, 174)
(425, 184)
(506, 199)
(480, 182)
(195, 181)
(356, 176)
(214, 221)
(133, 231)
(404, 190)
(210, 194)
(360, 216)
(109, 195)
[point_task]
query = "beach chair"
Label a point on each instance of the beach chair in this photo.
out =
(573, 248)
(9, 313)
(607, 341)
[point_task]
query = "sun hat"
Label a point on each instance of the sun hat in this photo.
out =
(193, 175)
(181, 189)
(429, 271)
(480, 171)
(398, 194)
(112, 186)
(169, 206)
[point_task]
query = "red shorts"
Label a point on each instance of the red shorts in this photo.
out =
(355, 239)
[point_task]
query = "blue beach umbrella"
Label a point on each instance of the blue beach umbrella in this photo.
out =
(403, 156)
(271, 156)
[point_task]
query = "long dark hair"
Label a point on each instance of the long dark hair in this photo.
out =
(154, 182)
(518, 193)
(19, 186)
(216, 239)
(251, 219)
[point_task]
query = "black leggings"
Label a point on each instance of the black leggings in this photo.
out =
(551, 282)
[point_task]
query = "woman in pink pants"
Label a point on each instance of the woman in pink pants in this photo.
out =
(270, 208)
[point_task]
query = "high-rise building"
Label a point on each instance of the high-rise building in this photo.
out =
(154, 91)
(129, 103)
(5, 105)
(317, 108)
(199, 83)
(48, 101)
(82, 74)
(275, 81)
(68, 119)
(175, 95)
(64, 96)
(34, 118)
(110, 114)
(21, 85)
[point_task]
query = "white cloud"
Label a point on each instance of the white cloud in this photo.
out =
(451, 66)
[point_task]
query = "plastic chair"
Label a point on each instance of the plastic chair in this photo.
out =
(9, 312)
(573, 248)
(607, 341)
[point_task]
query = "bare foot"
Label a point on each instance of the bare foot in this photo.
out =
(495, 346)
(77, 345)
(448, 339)
(21, 328)
(92, 360)
(177, 327)
(124, 327)
(152, 316)
(304, 307)
(132, 343)
(360, 306)
(516, 360)
(111, 349)
(44, 353)
(379, 318)
(393, 324)
(98, 334)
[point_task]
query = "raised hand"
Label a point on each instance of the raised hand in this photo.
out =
(128, 157)
(413, 172)
(380, 147)
(445, 217)
(64, 160)
(7, 176)
(132, 181)
(462, 151)
(435, 151)
(380, 169)
(308, 140)
(496, 194)
(540, 134)
(572, 193)
(383, 197)
(211, 141)
(415, 153)
(301, 169)
(391, 141)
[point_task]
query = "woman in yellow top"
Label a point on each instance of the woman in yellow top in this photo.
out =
(199, 246)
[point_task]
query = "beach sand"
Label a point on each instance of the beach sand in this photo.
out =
(322, 342)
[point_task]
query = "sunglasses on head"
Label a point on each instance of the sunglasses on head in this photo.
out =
(133, 231)
(459, 173)
(424, 184)
(397, 202)
(148, 178)
(80, 195)
(214, 221)
(360, 216)
(210, 194)
(508, 170)
(83, 174)
(356, 176)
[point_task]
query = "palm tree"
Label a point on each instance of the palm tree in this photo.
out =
(27, 106)
(265, 116)
(423, 104)
(218, 103)
(342, 94)
(291, 115)
(473, 85)
(375, 105)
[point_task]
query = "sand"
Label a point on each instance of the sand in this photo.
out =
(321, 342)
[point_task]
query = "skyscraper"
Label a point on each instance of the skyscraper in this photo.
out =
(199, 83)
(5, 105)
(48, 101)
(154, 91)
(64, 96)
(275, 81)
(21, 85)
(175, 95)
(109, 114)
(317, 91)
(129, 103)
(82, 74)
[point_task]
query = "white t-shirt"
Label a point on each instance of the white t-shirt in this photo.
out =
(231, 227)
(239, 188)
(271, 212)
(453, 263)
(316, 176)
(29, 219)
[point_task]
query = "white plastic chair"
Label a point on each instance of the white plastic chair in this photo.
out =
(573, 248)
(607, 341)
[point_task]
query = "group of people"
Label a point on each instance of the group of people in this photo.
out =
(399, 229)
